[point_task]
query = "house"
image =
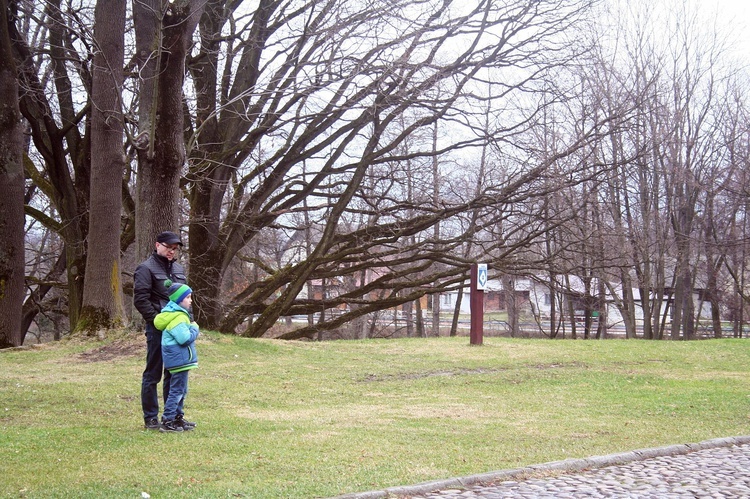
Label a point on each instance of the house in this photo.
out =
(534, 297)
(495, 296)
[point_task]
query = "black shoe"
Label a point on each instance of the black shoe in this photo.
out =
(151, 424)
(184, 423)
(170, 427)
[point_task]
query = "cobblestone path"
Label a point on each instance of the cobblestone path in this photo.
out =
(717, 468)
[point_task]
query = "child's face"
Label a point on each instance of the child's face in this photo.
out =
(187, 302)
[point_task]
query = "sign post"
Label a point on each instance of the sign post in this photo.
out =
(476, 302)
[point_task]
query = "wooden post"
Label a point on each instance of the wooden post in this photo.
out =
(476, 305)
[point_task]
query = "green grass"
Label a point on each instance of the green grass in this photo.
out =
(302, 420)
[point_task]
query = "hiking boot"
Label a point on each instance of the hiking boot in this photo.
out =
(170, 427)
(184, 423)
(151, 424)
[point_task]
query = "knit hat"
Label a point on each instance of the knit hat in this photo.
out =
(177, 291)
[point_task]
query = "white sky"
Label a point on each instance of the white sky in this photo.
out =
(736, 15)
(734, 9)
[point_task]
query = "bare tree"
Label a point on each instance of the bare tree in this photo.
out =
(300, 90)
(59, 168)
(733, 240)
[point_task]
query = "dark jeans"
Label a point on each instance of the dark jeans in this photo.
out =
(153, 374)
(178, 386)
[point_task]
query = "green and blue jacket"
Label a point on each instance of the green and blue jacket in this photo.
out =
(178, 338)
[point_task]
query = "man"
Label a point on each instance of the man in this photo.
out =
(149, 297)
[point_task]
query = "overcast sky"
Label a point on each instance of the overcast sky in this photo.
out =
(736, 8)
(736, 14)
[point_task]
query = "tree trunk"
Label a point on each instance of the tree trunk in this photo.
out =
(588, 306)
(511, 304)
(435, 314)
(207, 253)
(11, 194)
(603, 307)
(436, 228)
(714, 264)
(408, 309)
(552, 301)
(169, 27)
(571, 308)
(103, 306)
(457, 309)
(683, 298)
(420, 320)
(628, 302)
(658, 304)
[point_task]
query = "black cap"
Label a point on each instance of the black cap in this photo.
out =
(168, 238)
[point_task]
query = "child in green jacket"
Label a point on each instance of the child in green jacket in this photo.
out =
(178, 352)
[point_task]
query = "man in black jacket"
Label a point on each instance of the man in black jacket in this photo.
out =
(149, 297)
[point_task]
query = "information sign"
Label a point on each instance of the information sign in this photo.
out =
(481, 276)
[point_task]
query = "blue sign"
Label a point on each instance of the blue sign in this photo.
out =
(481, 276)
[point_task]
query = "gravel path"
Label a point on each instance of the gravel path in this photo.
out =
(718, 468)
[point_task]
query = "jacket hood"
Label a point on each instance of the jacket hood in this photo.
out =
(170, 311)
(174, 307)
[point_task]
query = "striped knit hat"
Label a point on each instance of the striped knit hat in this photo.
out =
(177, 291)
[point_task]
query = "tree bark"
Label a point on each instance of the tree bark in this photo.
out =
(161, 153)
(11, 193)
(103, 306)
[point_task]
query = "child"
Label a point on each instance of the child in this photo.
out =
(178, 351)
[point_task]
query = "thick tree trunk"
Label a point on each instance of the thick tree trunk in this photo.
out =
(147, 24)
(167, 27)
(207, 256)
(102, 293)
(11, 194)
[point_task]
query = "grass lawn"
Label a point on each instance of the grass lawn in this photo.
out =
(302, 419)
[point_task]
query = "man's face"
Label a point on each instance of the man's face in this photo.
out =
(168, 251)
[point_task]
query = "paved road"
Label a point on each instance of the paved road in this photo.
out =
(718, 468)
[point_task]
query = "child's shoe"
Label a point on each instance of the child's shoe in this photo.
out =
(170, 427)
(184, 423)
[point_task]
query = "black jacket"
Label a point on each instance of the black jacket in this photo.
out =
(149, 293)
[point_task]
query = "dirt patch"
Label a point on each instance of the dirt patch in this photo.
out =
(120, 348)
(561, 365)
(408, 376)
